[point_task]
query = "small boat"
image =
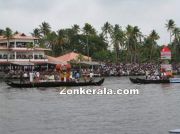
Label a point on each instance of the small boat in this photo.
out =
(146, 81)
(175, 131)
(174, 80)
(54, 84)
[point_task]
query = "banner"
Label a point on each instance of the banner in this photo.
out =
(165, 55)
(166, 67)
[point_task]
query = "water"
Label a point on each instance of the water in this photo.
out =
(43, 111)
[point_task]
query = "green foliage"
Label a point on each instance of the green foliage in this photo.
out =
(127, 45)
(105, 56)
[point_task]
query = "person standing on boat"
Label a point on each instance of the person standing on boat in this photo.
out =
(77, 76)
(21, 77)
(37, 75)
(91, 75)
(31, 76)
(147, 74)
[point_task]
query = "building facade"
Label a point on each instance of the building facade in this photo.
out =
(21, 49)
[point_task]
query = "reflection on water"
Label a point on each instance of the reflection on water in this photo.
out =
(43, 111)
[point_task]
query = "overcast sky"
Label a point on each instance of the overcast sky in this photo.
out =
(25, 15)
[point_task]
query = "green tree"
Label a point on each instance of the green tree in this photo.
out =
(8, 35)
(170, 26)
(118, 38)
(153, 38)
(36, 33)
(107, 29)
(88, 31)
(75, 29)
(1, 32)
(45, 28)
(137, 40)
(129, 31)
(176, 43)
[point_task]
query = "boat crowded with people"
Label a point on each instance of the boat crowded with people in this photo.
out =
(162, 75)
(149, 81)
(55, 83)
(146, 81)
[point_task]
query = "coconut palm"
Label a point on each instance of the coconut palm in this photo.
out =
(61, 39)
(107, 29)
(88, 30)
(176, 42)
(133, 39)
(136, 41)
(36, 33)
(153, 37)
(170, 26)
(8, 34)
(176, 34)
(52, 38)
(117, 39)
(45, 28)
(76, 29)
(1, 32)
(128, 34)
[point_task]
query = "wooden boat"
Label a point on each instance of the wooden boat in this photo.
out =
(145, 81)
(54, 84)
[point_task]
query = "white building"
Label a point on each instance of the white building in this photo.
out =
(20, 50)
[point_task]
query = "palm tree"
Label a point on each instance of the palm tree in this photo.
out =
(153, 37)
(107, 29)
(170, 26)
(8, 34)
(75, 29)
(45, 28)
(88, 30)
(136, 40)
(133, 38)
(61, 38)
(36, 33)
(1, 32)
(176, 42)
(52, 38)
(117, 39)
(128, 34)
(73, 35)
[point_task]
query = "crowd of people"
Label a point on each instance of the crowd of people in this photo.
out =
(109, 69)
(130, 69)
(49, 75)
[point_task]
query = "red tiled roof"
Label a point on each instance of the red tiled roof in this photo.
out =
(55, 60)
(72, 56)
(19, 36)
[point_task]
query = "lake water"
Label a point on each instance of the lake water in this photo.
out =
(44, 111)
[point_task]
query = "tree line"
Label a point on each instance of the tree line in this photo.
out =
(111, 44)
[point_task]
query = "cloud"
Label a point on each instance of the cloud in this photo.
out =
(25, 15)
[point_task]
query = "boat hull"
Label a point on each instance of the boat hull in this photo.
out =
(54, 84)
(144, 81)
